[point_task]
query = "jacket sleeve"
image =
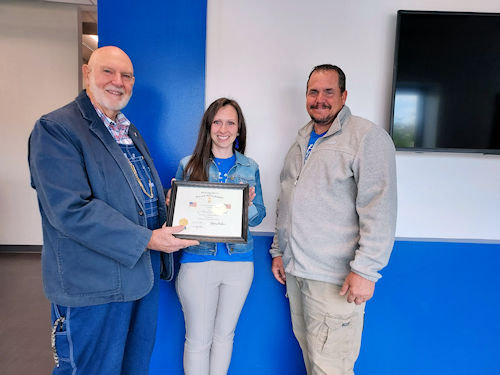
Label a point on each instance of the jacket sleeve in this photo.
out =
(257, 211)
(67, 200)
(376, 203)
(179, 175)
(275, 250)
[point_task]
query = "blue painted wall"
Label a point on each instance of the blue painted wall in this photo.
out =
(435, 311)
(166, 42)
(263, 336)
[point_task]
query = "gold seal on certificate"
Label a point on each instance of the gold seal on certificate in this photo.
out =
(212, 212)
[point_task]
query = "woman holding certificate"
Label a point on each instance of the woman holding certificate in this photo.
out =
(214, 278)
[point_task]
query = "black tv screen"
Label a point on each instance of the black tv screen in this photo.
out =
(446, 87)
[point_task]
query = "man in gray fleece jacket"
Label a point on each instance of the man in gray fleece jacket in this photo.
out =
(335, 223)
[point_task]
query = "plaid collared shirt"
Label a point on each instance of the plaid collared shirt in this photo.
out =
(118, 128)
(119, 131)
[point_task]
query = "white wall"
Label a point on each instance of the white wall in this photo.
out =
(38, 73)
(260, 53)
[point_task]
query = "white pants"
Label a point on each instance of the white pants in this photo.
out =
(327, 327)
(212, 295)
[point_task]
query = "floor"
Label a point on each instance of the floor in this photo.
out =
(24, 316)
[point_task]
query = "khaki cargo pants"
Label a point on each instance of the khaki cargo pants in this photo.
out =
(327, 327)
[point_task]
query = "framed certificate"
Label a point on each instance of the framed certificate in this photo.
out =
(211, 212)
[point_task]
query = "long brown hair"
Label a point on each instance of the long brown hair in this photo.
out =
(197, 167)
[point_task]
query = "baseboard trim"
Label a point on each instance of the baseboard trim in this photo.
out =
(20, 248)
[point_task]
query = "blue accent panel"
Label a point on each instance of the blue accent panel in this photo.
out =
(264, 341)
(166, 43)
(435, 311)
(169, 345)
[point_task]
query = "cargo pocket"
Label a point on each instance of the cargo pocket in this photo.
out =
(336, 336)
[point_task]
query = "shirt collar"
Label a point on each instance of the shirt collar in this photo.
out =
(118, 128)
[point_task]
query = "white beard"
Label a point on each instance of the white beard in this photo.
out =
(101, 97)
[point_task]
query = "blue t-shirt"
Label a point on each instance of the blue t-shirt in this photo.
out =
(222, 254)
(312, 140)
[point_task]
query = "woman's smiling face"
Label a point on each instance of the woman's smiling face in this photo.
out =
(223, 131)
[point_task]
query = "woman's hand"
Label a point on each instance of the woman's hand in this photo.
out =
(167, 198)
(251, 195)
(169, 192)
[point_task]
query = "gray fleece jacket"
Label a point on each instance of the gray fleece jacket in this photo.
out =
(337, 211)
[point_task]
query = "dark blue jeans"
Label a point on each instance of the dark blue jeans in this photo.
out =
(114, 338)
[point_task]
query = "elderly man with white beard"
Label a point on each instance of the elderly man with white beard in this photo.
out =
(103, 209)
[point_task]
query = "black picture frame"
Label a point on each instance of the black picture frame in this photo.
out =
(201, 191)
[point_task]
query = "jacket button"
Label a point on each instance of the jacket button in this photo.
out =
(141, 213)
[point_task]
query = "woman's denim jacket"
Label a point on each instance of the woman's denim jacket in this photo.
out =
(244, 171)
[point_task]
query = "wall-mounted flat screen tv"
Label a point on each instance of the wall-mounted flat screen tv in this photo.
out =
(446, 87)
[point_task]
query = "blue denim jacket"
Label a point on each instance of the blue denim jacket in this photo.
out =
(94, 229)
(245, 171)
